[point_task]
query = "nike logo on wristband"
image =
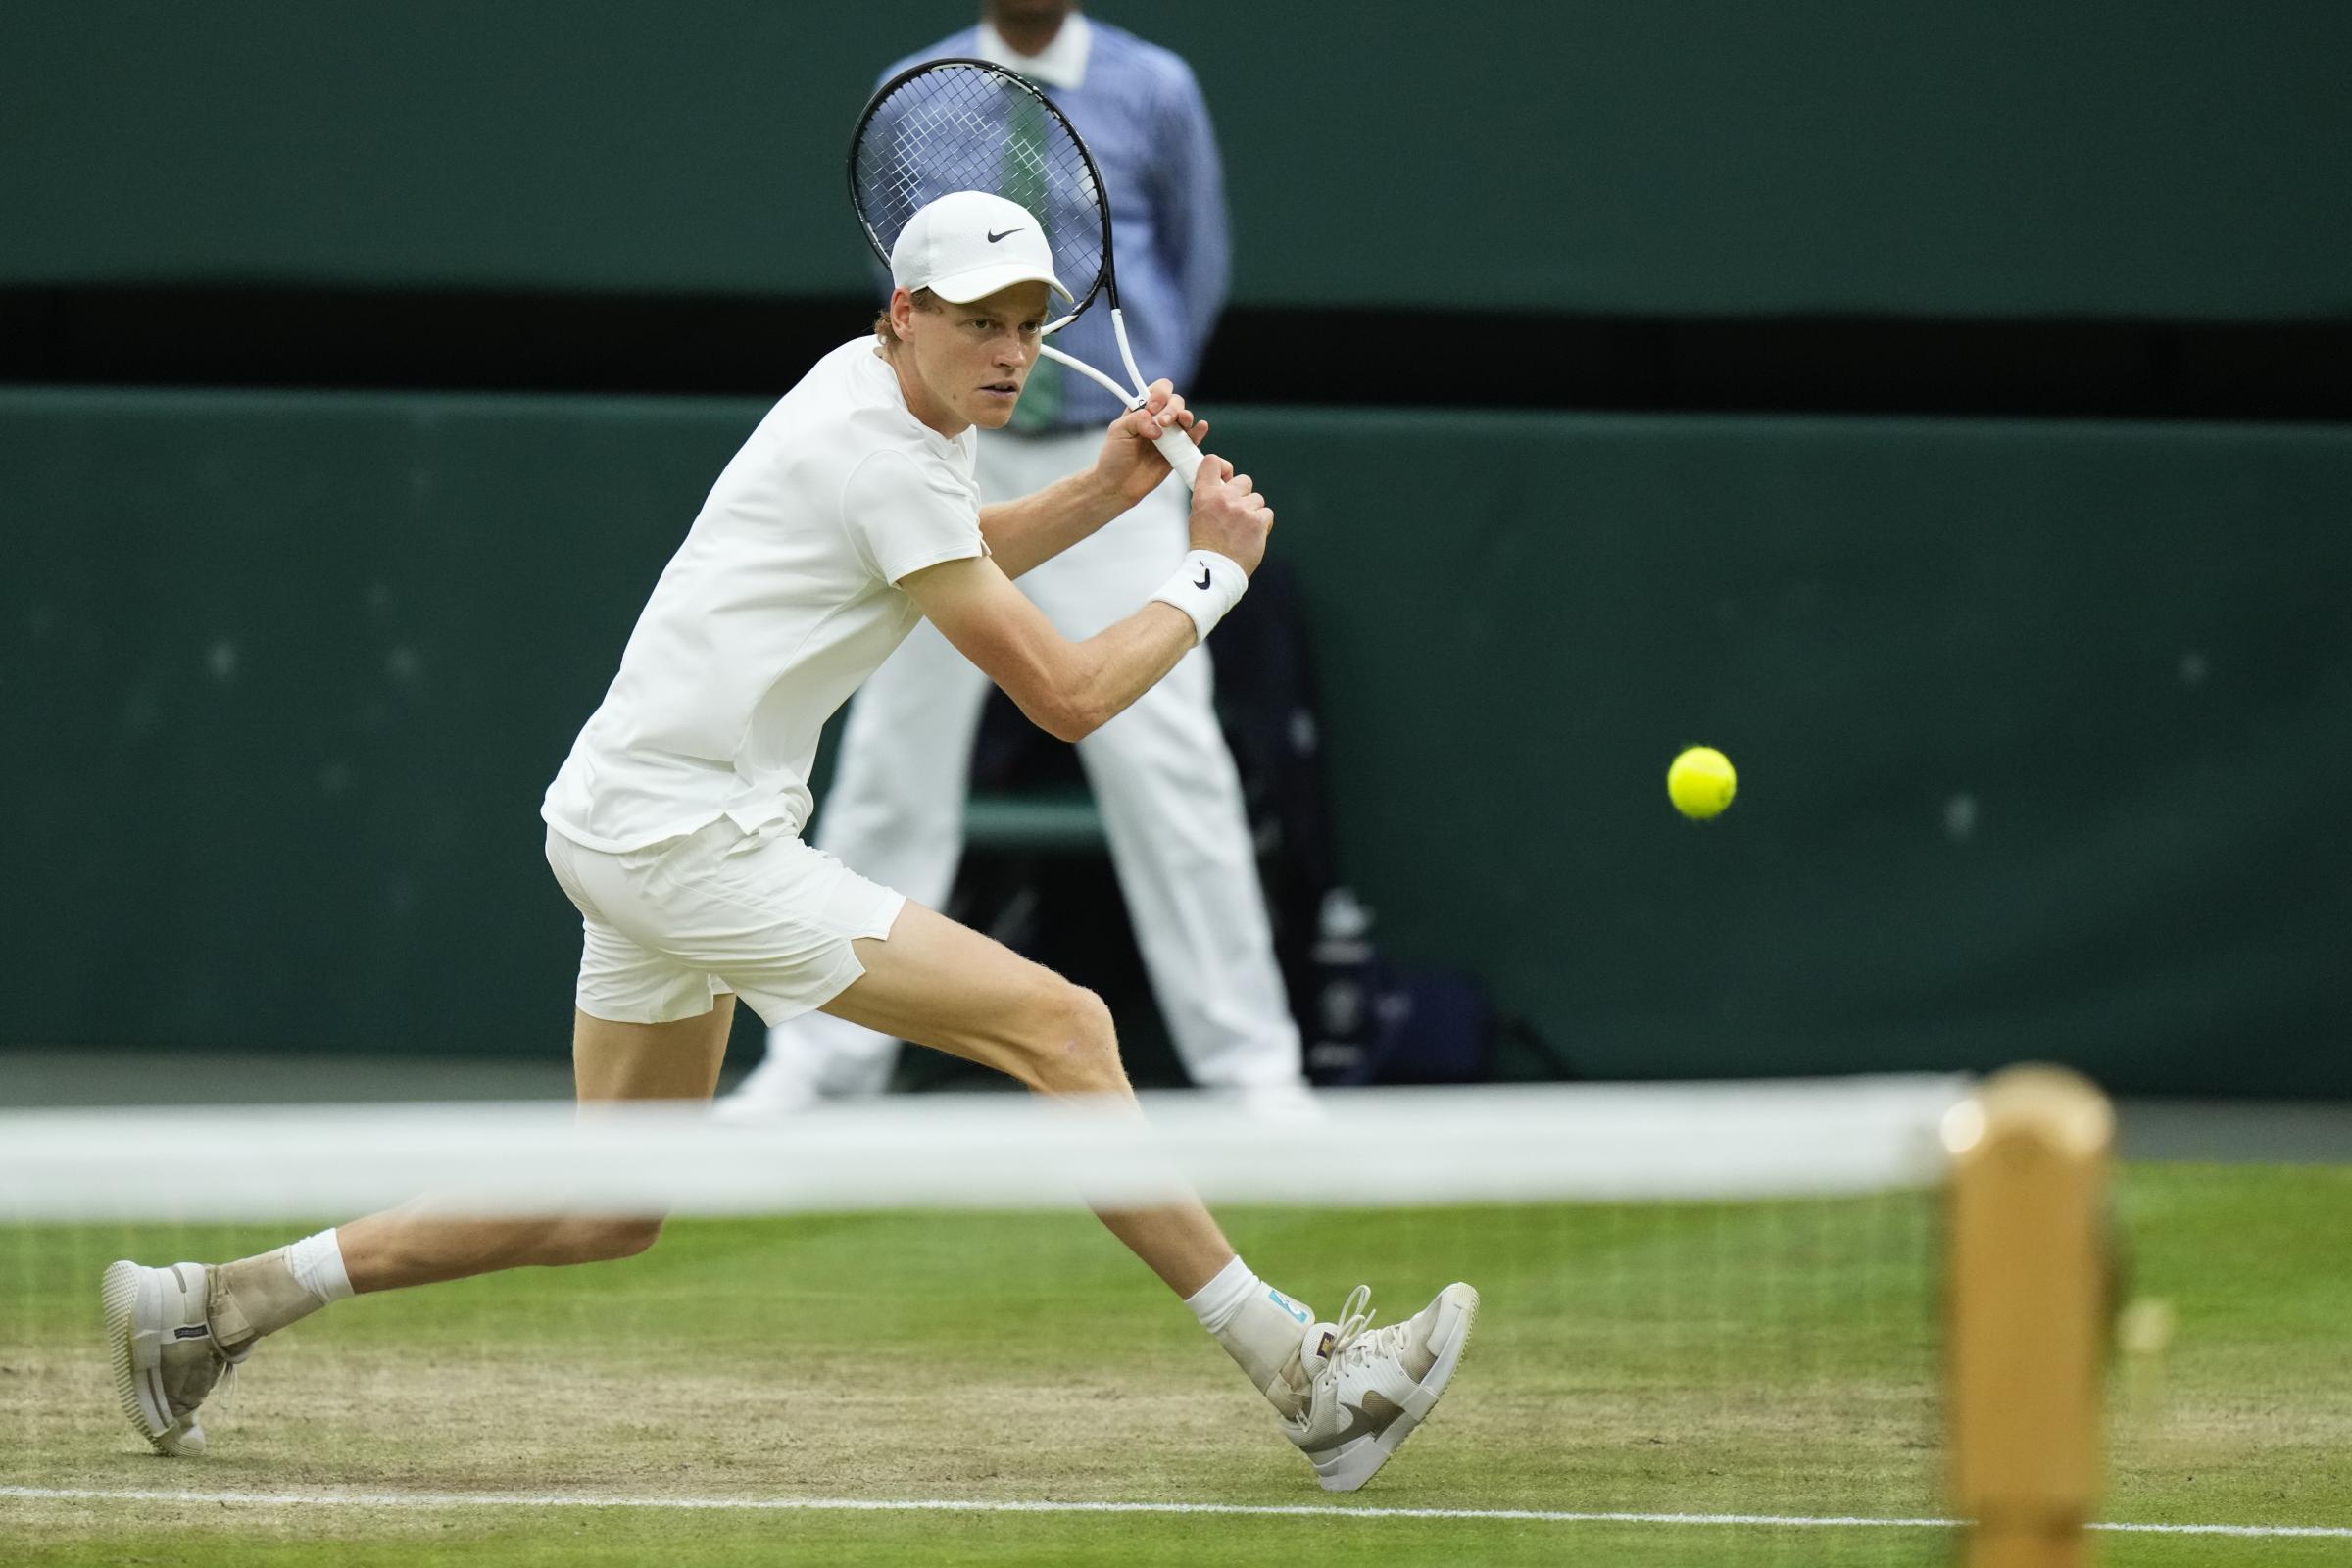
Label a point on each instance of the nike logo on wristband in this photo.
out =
(1203, 582)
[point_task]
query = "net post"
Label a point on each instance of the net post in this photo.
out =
(2027, 1299)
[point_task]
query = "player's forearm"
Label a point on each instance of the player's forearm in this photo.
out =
(1093, 681)
(1036, 528)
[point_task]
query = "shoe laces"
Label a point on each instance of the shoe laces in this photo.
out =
(224, 1392)
(1354, 1339)
(223, 1395)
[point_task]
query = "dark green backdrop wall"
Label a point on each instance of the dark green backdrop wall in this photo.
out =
(2042, 726)
(2180, 159)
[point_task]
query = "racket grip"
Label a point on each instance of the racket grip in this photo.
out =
(1183, 456)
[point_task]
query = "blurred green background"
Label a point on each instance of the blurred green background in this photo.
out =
(2177, 159)
(2039, 721)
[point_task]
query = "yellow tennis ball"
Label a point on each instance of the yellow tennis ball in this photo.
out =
(1700, 782)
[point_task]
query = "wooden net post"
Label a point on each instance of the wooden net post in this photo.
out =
(2028, 1297)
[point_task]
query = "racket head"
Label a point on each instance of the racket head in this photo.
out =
(966, 124)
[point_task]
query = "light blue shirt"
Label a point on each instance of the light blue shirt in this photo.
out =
(1141, 114)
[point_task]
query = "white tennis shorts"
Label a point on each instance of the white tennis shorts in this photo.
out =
(668, 927)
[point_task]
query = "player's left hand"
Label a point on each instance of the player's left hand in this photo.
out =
(1129, 462)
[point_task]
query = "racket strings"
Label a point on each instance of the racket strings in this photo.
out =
(954, 127)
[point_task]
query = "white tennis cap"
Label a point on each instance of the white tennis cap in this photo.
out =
(968, 244)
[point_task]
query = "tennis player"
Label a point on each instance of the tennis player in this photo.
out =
(1161, 773)
(675, 823)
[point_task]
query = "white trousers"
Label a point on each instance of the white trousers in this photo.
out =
(1162, 776)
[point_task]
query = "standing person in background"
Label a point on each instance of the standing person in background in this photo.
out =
(1161, 773)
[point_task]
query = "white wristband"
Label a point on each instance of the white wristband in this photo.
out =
(1204, 587)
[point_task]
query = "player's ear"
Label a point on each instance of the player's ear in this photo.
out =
(901, 313)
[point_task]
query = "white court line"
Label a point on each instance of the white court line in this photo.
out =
(509, 1499)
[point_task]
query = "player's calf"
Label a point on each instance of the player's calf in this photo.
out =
(420, 1245)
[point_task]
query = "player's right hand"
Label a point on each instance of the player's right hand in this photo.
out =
(1229, 515)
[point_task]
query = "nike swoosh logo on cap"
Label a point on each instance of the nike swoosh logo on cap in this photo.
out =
(993, 238)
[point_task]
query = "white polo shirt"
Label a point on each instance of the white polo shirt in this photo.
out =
(781, 601)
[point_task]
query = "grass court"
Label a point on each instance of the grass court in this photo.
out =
(750, 1389)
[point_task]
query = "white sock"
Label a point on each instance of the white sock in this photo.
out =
(1259, 1326)
(318, 1265)
(1215, 1302)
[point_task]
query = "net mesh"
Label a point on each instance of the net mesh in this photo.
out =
(1701, 1306)
(966, 125)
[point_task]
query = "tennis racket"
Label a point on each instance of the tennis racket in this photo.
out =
(965, 125)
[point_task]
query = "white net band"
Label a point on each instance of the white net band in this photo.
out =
(1375, 1148)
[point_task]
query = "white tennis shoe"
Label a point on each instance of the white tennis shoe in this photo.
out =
(1367, 1389)
(165, 1360)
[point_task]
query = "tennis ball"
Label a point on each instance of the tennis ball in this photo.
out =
(1700, 782)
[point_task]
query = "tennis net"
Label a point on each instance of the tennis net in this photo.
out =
(1714, 1322)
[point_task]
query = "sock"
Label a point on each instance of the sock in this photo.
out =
(318, 1265)
(1259, 1326)
(258, 1296)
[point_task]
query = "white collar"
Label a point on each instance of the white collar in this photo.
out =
(1063, 64)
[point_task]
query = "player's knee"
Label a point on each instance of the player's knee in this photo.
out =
(1073, 1044)
(621, 1236)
